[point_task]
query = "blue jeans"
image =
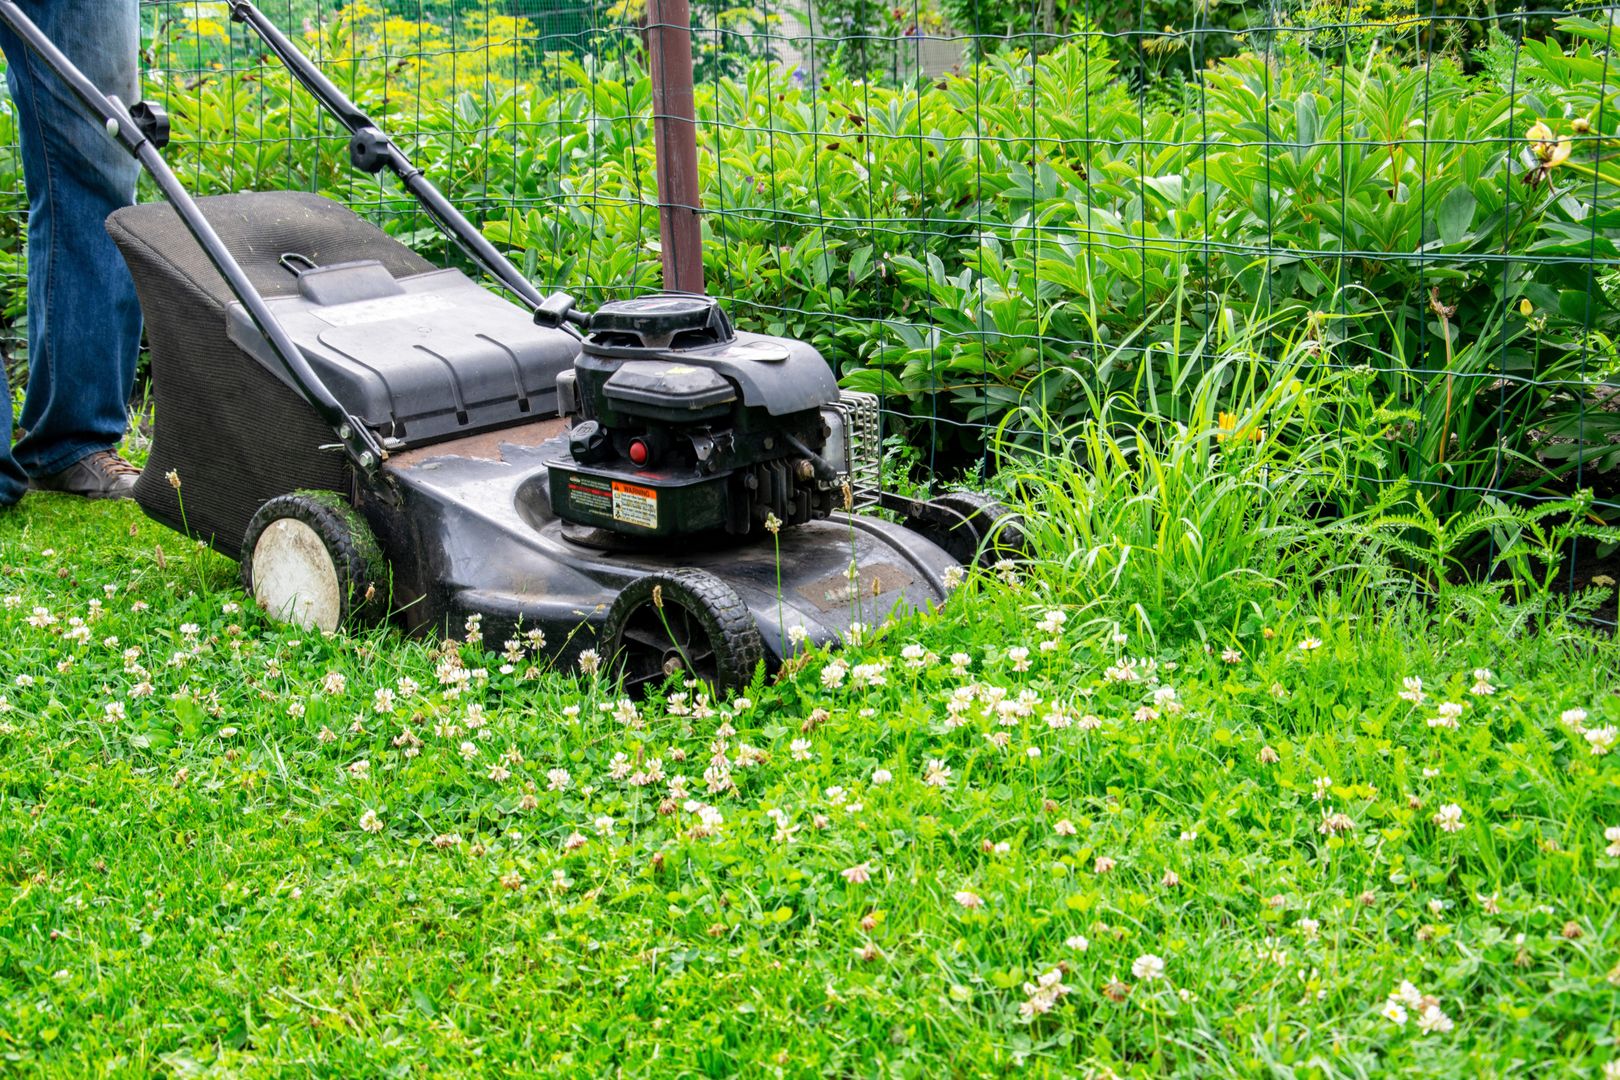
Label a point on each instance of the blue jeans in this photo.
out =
(84, 324)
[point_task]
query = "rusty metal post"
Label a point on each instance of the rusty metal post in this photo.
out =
(669, 51)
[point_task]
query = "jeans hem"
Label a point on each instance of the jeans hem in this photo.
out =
(63, 460)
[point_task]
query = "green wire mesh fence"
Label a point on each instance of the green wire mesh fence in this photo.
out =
(999, 216)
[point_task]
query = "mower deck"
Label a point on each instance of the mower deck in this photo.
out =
(481, 504)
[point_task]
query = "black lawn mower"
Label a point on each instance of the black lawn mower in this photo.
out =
(374, 436)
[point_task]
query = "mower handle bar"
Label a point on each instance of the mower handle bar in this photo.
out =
(357, 439)
(372, 150)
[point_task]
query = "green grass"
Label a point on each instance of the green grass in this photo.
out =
(189, 884)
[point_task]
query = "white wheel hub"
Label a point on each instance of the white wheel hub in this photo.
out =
(294, 578)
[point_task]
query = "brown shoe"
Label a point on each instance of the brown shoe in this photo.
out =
(101, 475)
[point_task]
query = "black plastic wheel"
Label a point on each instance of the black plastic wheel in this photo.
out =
(310, 559)
(973, 529)
(684, 622)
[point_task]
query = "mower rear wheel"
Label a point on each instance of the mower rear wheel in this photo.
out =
(310, 560)
(973, 529)
(683, 622)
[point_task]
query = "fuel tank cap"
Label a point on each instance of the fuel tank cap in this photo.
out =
(663, 322)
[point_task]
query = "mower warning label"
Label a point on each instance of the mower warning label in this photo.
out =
(635, 505)
(587, 494)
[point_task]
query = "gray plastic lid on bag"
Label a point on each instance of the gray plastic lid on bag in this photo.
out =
(419, 358)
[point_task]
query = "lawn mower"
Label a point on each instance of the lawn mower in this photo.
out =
(375, 436)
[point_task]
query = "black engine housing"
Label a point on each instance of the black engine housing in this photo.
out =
(683, 425)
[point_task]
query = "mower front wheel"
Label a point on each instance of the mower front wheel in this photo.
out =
(683, 622)
(309, 559)
(973, 529)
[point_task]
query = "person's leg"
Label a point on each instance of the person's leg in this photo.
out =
(13, 481)
(84, 322)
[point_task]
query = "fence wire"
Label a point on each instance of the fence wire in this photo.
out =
(998, 216)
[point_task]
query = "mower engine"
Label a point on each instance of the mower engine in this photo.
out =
(681, 425)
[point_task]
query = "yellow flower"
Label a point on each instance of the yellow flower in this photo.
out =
(1550, 150)
(1226, 426)
(1526, 308)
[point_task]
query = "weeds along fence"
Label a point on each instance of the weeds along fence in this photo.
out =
(1011, 219)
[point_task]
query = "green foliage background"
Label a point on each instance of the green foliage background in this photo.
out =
(1038, 231)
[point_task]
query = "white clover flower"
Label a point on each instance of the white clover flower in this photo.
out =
(1601, 739)
(1412, 690)
(1432, 1021)
(1043, 994)
(881, 777)
(1612, 835)
(1148, 967)
(1444, 720)
(937, 774)
(558, 779)
(589, 661)
(1449, 818)
(1064, 827)
(800, 749)
(866, 675)
(954, 576)
(968, 899)
(1573, 718)
(1077, 942)
(859, 874)
(370, 822)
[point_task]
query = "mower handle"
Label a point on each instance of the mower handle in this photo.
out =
(357, 439)
(372, 150)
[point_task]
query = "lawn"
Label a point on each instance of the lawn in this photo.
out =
(1023, 835)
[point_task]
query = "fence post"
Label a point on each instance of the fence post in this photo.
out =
(669, 51)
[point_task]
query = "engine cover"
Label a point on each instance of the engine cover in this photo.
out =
(683, 425)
